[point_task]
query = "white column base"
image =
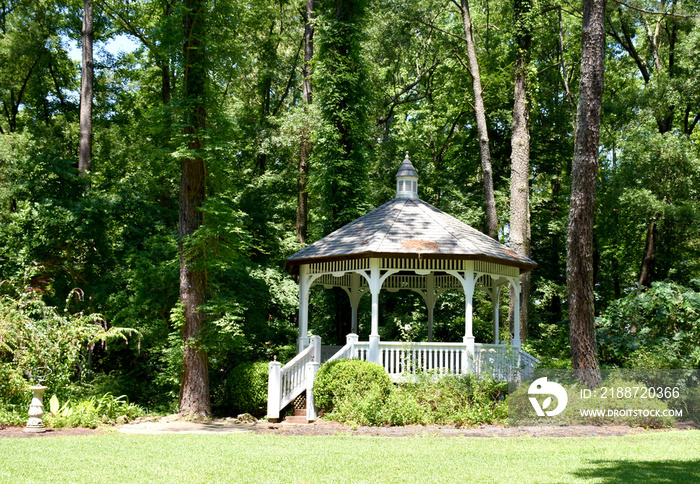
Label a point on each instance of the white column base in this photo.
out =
(373, 354)
(468, 363)
(302, 343)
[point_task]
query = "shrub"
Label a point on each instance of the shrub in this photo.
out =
(657, 328)
(14, 389)
(245, 389)
(341, 380)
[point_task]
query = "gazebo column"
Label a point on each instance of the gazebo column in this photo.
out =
(305, 281)
(515, 282)
(375, 286)
(375, 280)
(430, 298)
(468, 281)
(496, 300)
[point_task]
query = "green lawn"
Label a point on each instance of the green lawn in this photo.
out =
(654, 457)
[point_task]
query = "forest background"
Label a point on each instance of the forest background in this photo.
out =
(89, 257)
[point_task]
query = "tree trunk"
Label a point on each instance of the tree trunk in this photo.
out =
(305, 146)
(491, 217)
(646, 273)
(520, 159)
(194, 389)
(579, 242)
(86, 85)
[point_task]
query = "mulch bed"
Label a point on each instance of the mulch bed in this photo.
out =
(333, 428)
(324, 427)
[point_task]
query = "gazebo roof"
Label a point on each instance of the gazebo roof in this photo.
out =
(408, 228)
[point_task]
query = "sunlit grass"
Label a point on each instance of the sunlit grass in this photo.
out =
(672, 456)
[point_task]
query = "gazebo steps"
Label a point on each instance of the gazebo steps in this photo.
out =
(299, 417)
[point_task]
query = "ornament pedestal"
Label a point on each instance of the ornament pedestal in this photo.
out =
(35, 424)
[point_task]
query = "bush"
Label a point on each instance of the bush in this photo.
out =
(14, 389)
(245, 389)
(361, 393)
(657, 328)
(90, 412)
(341, 380)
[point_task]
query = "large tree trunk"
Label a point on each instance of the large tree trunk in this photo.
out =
(579, 241)
(194, 389)
(305, 146)
(86, 86)
(520, 159)
(489, 198)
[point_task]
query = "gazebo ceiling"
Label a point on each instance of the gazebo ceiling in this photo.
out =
(408, 228)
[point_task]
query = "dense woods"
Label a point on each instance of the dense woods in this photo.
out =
(235, 132)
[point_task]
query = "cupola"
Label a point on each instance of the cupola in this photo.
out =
(406, 180)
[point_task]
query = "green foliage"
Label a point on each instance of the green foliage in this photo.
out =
(657, 328)
(34, 335)
(344, 379)
(14, 389)
(430, 399)
(91, 412)
(244, 390)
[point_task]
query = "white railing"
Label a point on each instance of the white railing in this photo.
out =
(405, 360)
(401, 360)
(287, 382)
(504, 363)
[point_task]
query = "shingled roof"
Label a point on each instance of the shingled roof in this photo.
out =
(408, 228)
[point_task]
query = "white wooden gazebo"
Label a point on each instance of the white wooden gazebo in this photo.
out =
(407, 244)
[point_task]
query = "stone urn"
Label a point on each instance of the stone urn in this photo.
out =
(35, 423)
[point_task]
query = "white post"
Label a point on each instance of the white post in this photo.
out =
(274, 389)
(352, 340)
(311, 369)
(469, 283)
(496, 300)
(430, 298)
(374, 287)
(316, 343)
(304, 286)
(516, 312)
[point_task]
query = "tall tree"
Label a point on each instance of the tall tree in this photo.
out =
(579, 241)
(340, 154)
(194, 387)
(86, 87)
(520, 152)
(482, 127)
(305, 145)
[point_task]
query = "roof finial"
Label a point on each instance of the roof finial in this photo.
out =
(406, 180)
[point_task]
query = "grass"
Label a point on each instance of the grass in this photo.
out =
(654, 457)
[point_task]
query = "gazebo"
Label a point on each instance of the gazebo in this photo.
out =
(407, 244)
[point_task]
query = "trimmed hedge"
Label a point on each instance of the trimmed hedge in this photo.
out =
(341, 380)
(246, 389)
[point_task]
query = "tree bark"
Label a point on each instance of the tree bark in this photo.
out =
(194, 389)
(579, 242)
(86, 87)
(305, 146)
(520, 158)
(489, 198)
(646, 273)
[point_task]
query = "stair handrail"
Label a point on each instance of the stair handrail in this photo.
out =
(286, 382)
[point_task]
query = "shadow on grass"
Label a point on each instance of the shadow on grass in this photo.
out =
(651, 472)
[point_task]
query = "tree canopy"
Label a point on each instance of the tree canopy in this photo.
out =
(388, 78)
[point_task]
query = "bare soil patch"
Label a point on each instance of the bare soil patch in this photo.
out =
(18, 432)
